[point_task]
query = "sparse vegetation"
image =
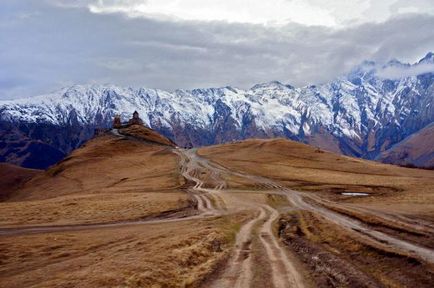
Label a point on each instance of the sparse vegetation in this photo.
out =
(241, 211)
(338, 258)
(136, 256)
(277, 201)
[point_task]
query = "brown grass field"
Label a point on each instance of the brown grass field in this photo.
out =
(103, 181)
(126, 211)
(108, 180)
(158, 255)
(330, 255)
(305, 168)
(12, 178)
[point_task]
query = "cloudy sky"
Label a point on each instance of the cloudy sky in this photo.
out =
(169, 44)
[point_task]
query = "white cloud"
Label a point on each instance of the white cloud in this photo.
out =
(331, 13)
(397, 72)
(277, 12)
(69, 44)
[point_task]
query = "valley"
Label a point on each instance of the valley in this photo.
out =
(130, 209)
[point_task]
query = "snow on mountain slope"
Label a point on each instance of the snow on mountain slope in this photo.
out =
(362, 113)
(273, 105)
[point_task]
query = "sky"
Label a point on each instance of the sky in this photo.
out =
(169, 44)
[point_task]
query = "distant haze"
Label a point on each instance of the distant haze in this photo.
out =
(167, 44)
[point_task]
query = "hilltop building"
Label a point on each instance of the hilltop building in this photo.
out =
(136, 120)
(117, 122)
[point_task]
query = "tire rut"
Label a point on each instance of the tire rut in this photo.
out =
(238, 271)
(283, 271)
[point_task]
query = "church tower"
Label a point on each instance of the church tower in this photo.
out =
(136, 119)
(117, 122)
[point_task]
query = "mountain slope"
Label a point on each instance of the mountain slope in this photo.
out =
(13, 177)
(416, 150)
(254, 213)
(140, 132)
(17, 147)
(112, 203)
(116, 162)
(360, 114)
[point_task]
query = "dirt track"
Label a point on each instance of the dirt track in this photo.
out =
(238, 271)
(213, 197)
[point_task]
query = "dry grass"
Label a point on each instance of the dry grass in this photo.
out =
(146, 134)
(91, 208)
(414, 234)
(107, 164)
(112, 179)
(107, 180)
(277, 201)
(301, 167)
(334, 256)
(136, 256)
(13, 177)
(337, 257)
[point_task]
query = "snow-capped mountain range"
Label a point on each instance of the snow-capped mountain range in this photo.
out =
(359, 114)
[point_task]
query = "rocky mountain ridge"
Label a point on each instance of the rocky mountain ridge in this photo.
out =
(360, 114)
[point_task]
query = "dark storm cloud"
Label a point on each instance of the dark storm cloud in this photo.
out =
(44, 47)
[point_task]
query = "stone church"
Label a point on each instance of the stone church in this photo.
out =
(136, 120)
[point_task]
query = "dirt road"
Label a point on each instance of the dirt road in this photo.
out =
(257, 238)
(239, 269)
(238, 272)
(205, 209)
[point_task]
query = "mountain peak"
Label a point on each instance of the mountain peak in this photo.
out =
(207, 116)
(271, 84)
(364, 71)
(429, 58)
(394, 62)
